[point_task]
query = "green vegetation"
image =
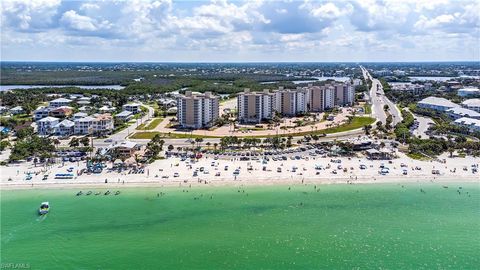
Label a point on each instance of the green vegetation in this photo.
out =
(418, 156)
(367, 108)
(355, 123)
(402, 129)
(151, 134)
(151, 125)
(32, 145)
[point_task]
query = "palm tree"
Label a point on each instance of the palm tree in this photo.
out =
(215, 145)
(74, 142)
(198, 141)
(208, 144)
(451, 150)
(56, 142)
(137, 159)
(170, 147)
(85, 141)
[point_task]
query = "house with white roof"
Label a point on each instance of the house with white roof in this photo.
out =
(106, 109)
(472, 104)
(456, 113)
(79, 115)
(59, 102)
(470, 123)
(97, 125)
(17, 110)
(83, 101)
(132, 107)
(64, 128)
(124, 116)
(83, 125)
(464, 92)
(84, 108)
(46, 126)
(436, 103)
(41, 112)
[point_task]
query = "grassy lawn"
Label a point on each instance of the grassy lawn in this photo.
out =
(357, 122)
(152, 125)
(417, 156)
(367, 108)
(151, 134)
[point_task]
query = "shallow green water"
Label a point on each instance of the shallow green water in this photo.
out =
(339, 227)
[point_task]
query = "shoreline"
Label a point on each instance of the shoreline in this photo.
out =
(237, 183)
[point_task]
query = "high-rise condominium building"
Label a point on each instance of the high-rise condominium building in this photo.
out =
(253, 107)
(197, 110)
(344, 94)
(290, 102)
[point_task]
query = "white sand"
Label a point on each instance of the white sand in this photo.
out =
(451, 171)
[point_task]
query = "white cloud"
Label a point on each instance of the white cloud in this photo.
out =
(78, 22)
(203, 29)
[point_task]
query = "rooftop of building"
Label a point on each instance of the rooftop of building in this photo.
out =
(48, 119)
(64, 100)
(464, 111)
(468, 121)
(438, 101)
(471, 102)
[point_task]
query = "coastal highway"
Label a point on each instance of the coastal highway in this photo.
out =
(379, 100)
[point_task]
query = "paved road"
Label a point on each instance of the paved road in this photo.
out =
(123, 134)
(379, 100)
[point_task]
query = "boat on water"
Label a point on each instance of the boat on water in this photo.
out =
(89, 192)
(44, 208)
(98, 193)
(108, 192)
(79, 193)
(118, 192)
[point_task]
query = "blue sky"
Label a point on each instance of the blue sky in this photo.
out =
(222, 31)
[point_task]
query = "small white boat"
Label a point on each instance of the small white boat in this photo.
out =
(44, 208)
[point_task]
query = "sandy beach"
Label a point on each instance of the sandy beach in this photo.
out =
(220, 172)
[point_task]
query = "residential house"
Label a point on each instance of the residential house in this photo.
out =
(59, 102)
(106, 109)
(103, 124)
(41, 112)
(124, 116)
(64, 128)
(61, 112)
(79, 115)
(132, 107)
(46, 126)
(17, 110)
(83, 101)
(84, 125)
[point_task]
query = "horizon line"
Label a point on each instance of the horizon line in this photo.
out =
(235, 62)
